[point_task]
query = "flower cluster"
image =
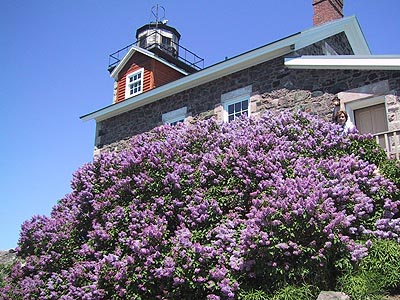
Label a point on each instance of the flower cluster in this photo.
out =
(200, 211)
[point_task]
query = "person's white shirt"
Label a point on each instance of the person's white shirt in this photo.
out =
(348, 126)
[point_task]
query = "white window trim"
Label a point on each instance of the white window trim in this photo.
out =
(233, 101)
(174, 116)
(127, 89)
(238, 95)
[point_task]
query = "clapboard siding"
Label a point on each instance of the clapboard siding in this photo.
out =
(164, 74)
(155, 74)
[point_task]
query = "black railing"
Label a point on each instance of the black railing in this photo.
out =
(115, 58)
(173, 49)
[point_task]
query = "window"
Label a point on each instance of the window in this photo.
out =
(174, 117)
(174, 122)
(328, 50)
(166, 41)
(166, 44)
(134, 83)
(236, 107)
(143, 42)
(235, 103)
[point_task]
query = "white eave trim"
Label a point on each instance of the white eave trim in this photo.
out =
(134, 49)
(348, 25)
(206, 75)
(262, 54)
(345, 62)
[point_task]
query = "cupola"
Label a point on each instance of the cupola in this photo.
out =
(158, 36)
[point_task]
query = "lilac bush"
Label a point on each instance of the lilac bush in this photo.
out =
(207, 210)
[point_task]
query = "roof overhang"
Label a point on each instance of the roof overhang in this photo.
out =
(251, 58)
(348, 25)
(206, 75)
(345, 62)
(132, 50)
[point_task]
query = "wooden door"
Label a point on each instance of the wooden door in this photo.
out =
(371, 119)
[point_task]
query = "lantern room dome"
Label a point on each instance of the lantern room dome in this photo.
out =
(159, 35)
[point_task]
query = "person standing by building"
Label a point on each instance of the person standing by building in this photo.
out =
(343, 120)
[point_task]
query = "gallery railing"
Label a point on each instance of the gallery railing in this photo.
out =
(390, 142)
(154, 40)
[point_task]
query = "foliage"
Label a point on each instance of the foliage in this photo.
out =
(305, 292)
(367, 149)
(383, 264)
(253, 294)
(5, 270)
(287, 292)
(200, 212)
(378, 273)
(391, 170)
(359, 287)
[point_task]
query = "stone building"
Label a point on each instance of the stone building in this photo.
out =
(155, 84)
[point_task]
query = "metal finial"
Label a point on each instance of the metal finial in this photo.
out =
(155, 12)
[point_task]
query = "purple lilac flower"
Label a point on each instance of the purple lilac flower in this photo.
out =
(200, 208)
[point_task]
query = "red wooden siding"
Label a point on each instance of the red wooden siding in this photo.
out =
(155, 74)
(164, 74)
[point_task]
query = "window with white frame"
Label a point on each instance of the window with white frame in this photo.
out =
(174, 117)
(134, 83)
(236, 108)
(236, 103)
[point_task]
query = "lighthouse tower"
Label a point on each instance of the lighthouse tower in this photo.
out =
(156, 58)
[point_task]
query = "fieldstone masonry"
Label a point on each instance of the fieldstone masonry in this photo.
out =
(7, 257)
(273, 87)
(393, 111)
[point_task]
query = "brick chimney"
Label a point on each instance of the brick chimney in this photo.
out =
(327, 10)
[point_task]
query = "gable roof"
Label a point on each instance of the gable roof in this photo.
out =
(348, 25)
(135, 49)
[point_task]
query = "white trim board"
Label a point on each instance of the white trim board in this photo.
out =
(345, 62)
(348, 25)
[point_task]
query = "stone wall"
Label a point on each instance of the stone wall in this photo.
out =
(338, 44)
(273, 86)
(7, 257)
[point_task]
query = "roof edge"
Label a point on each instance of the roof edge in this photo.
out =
(345, 62)
(208, 74)
(348, 25)
(281, 47)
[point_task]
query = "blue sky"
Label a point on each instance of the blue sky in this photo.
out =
(54, 57)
